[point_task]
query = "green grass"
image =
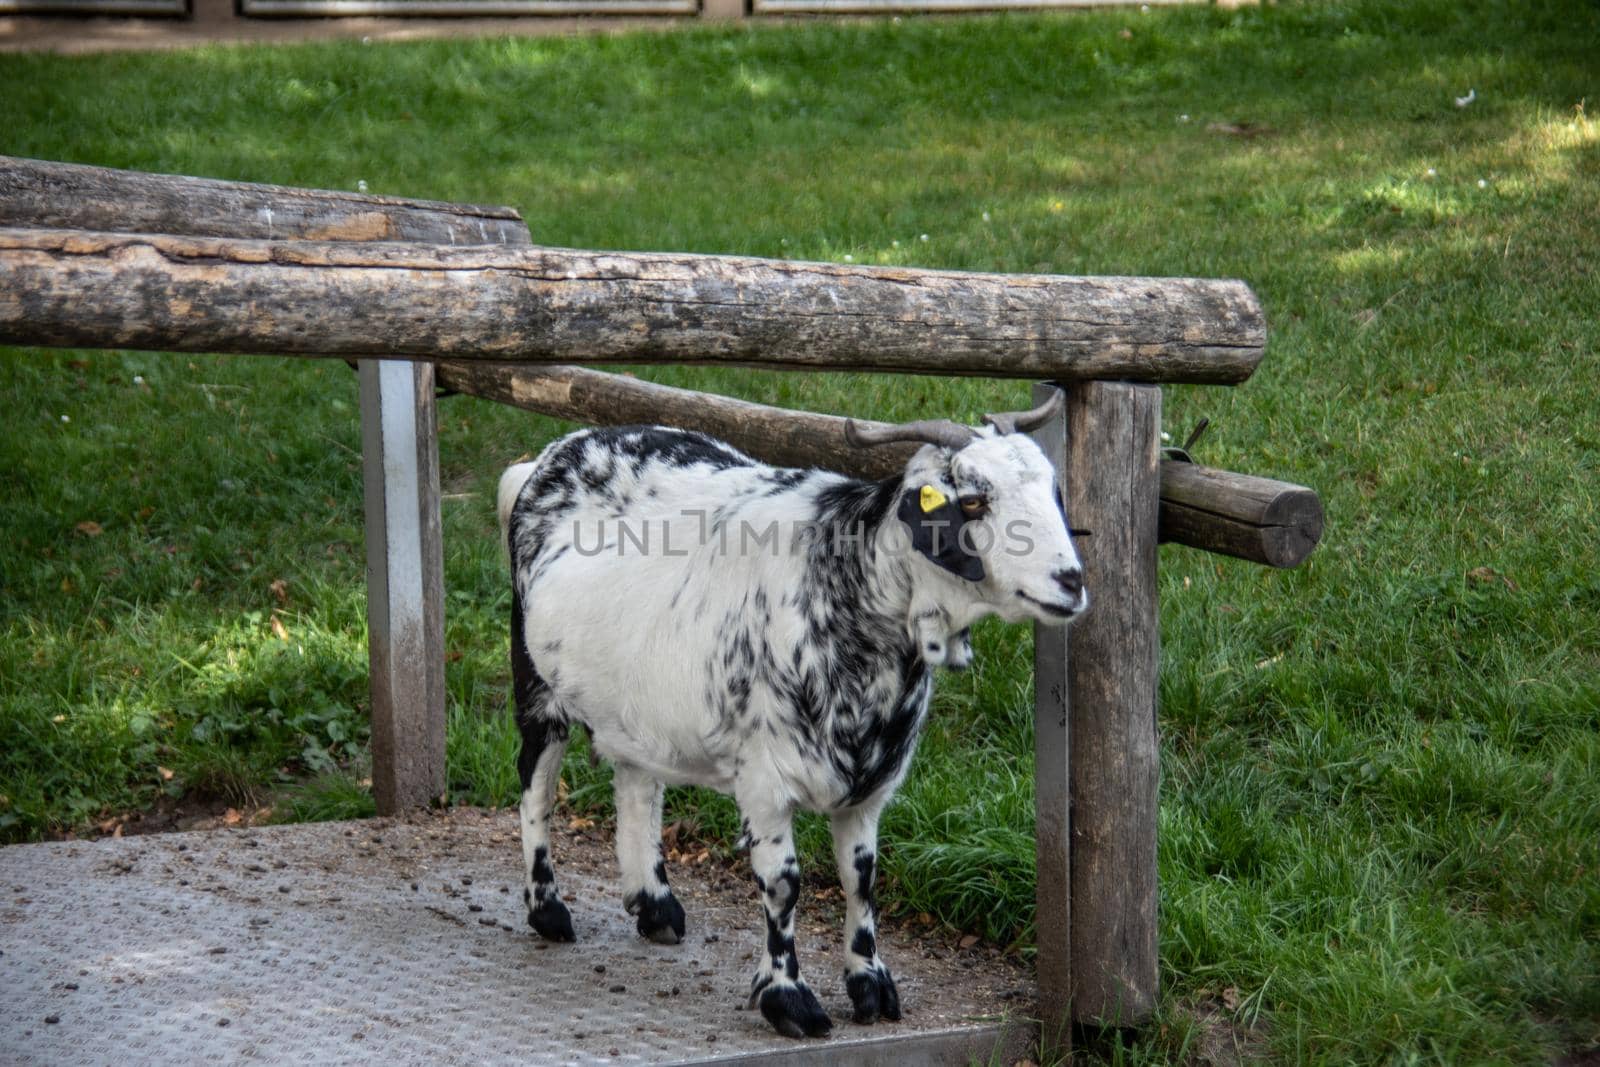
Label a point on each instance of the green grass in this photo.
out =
(1380, 825)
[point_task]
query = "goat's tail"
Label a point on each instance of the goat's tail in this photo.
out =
(511, 483)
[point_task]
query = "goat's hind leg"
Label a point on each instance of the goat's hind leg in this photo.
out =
(544, 742)
(645, 892)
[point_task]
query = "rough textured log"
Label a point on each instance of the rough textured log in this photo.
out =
(773, 435)
(1112, 480)
(1258, 519)
(39, 193)
(544, 305)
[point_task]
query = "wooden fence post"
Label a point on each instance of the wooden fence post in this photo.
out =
(1113, 485)
(1052, 799)
(405, 583)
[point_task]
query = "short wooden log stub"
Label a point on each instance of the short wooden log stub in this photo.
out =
(1257, 519)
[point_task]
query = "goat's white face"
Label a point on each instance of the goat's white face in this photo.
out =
(995, 518)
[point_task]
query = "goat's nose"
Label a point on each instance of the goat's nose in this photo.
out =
(1070, 579)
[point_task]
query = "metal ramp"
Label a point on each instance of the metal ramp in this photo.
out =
(401, 941)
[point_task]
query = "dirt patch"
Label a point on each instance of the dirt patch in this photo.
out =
(1221, 1040)
(170, 816)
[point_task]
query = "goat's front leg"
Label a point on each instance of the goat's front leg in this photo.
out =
(645, 892)
(785, 1000)
(855, 846)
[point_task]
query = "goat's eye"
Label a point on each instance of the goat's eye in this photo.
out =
(974, 506)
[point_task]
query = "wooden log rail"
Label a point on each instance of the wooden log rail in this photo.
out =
(544, 305)
(1256, 519)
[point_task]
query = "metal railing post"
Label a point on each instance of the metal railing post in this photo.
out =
(405, 583)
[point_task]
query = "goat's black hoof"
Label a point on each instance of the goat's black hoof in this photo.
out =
(873, 995)
(660, 919)
(793, 1011)
(551, 920)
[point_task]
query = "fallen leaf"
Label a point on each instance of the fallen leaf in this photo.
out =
(89, 528)
(1230, 998)
(280, 590)
(166, 774)
(969, 941)
(279, 630)
(1490, 575)
(580, 823)
(231, 817)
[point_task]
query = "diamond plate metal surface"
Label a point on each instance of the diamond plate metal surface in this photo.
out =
(395, 942)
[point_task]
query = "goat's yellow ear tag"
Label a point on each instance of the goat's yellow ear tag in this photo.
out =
(932, 499)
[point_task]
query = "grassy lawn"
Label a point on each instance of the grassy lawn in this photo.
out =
(1381, 772)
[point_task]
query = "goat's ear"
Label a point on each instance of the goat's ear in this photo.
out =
(936, 532)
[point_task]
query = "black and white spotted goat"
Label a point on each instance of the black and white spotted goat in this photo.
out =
(769, 633)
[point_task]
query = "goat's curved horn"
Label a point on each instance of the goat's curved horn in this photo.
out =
(940, 432)
(1023, 421)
